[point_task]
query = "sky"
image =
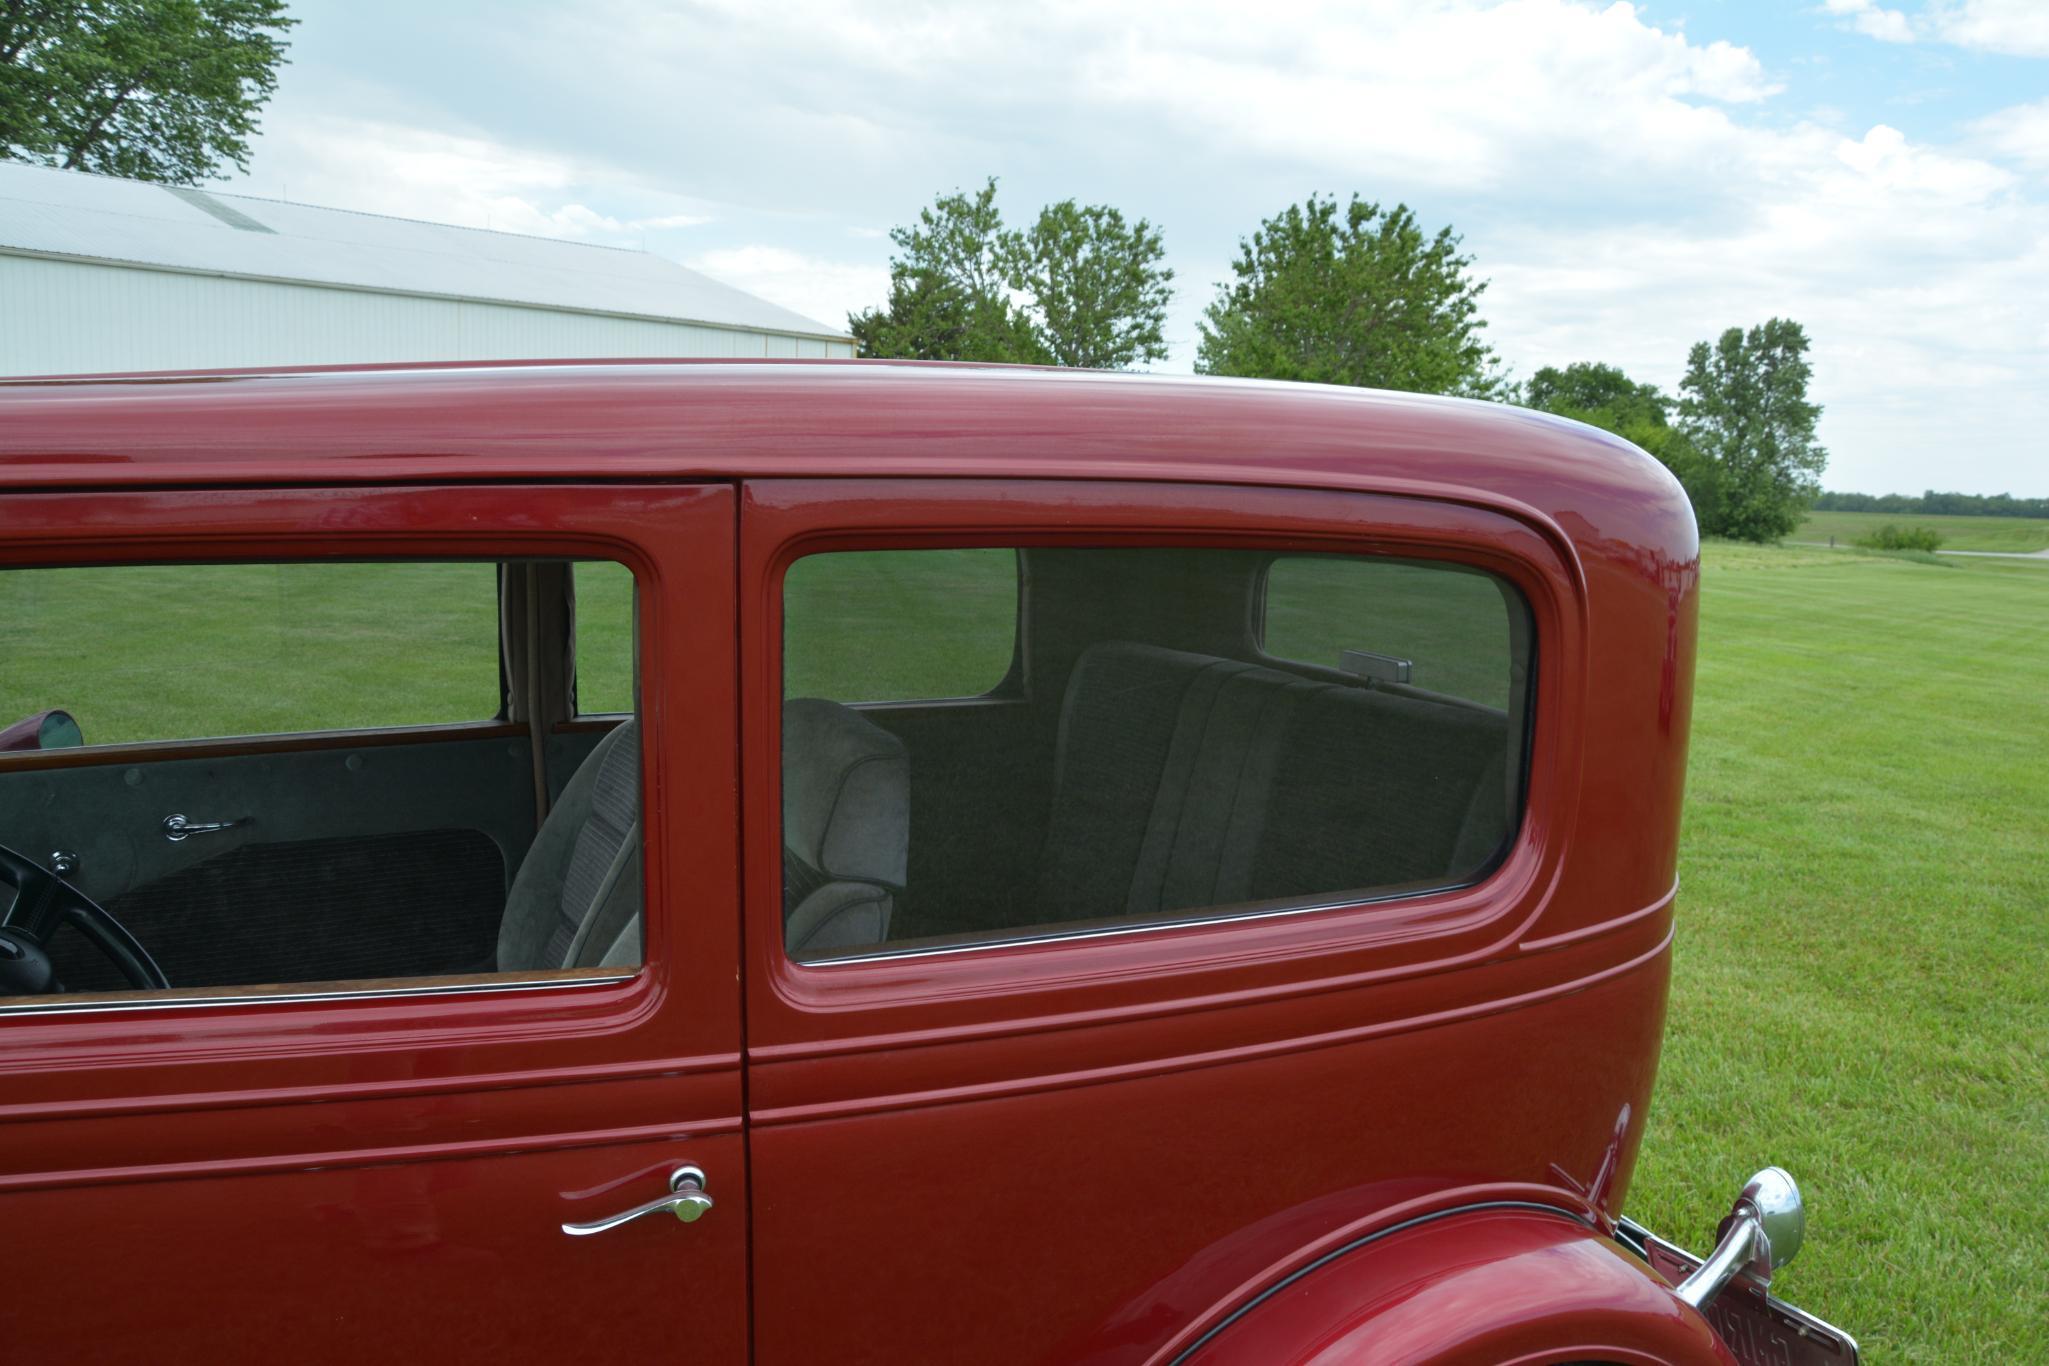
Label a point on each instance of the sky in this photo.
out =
(1629, 179)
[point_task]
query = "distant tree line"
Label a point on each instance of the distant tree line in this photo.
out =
(1339, 293)
(1932, 503)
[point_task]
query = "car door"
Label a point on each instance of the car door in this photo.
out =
(330, 1170)
(1202, 945)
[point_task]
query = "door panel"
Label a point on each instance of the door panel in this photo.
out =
(372, 859)
(385, 1170)
(383, 1261)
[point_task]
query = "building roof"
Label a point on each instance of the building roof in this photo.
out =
(71, 214)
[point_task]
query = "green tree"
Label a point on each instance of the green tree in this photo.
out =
(1081, 287)
(947, 297)
(1744, 406)
(152, 89)
(1603, 396)
(1359, 296)
(1098, 292)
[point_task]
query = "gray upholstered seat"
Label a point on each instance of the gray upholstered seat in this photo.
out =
(576, 900)
(1184, 781)
(846, 842)
(846, 827)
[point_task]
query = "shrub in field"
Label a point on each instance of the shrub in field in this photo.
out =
(1890, 537)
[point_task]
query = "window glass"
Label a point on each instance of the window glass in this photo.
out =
(180, 652)
(1154, 758)
(346, 858)
(1438, 628)
(604, 638)
(844, 615)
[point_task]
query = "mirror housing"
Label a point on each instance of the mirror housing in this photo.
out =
(1762, 1232)
(52, 729)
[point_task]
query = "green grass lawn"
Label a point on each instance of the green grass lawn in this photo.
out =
(1861, 990)
(1958, 533)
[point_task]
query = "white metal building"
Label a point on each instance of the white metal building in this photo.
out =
(100, 274)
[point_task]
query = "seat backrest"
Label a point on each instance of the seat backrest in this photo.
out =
(576, 899)
(1186, 780)
(846, 827)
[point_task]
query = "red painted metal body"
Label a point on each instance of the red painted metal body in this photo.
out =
(1067, 1151)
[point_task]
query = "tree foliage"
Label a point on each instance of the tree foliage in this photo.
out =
(1080, 287)
(1351, 295)
(152, 89)
(1098, 293)
(947, 297)
(1743, 404)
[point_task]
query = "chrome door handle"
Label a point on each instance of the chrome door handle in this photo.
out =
(176, 827)
(686, 1200)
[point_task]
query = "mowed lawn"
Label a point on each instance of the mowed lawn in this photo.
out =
(1862, 970)
(1861, 990)
(2026, 534)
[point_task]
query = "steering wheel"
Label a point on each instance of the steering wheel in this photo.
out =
(43, 904)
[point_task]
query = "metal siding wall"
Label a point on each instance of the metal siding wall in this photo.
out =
(67, 317)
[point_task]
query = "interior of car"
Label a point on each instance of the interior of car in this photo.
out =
(395, 772)
(1143, 753)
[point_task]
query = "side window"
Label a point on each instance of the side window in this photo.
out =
(234, 779)
(1444, 630)
(184, 652)
(604, 638)
(1190, 734)
(842, 614)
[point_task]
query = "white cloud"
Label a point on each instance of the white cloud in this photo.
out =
(449, 178)
(822, 290)
(2019, 133)
(1873, 21)
(2018, 28)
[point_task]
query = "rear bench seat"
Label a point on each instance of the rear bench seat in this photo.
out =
(1185, 780)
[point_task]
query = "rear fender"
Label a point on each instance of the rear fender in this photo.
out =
(1478, 1286)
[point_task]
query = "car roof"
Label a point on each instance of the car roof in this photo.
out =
(723, 419)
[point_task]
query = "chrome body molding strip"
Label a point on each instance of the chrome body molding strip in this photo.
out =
(1055, 935)
(88, 1006)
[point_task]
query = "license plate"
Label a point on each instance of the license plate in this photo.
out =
(1758, 1329)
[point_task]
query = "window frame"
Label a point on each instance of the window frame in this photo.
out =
(784, 519)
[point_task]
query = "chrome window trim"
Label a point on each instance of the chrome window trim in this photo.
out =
(1054, 935)
(74, 1007)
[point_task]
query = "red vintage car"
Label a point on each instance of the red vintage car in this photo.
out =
(840, 862)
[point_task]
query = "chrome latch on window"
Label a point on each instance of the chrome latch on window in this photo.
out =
(177, 828)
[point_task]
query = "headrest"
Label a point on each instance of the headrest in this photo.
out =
(846, 793)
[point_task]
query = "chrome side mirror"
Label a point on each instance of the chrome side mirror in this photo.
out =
(1775, 1201)
(1763, 1230)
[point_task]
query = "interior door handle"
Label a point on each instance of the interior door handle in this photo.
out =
(686, 1200)
(176, 827)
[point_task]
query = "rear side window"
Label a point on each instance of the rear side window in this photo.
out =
(846, 617)
(1439, 628)
(1185, 734)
